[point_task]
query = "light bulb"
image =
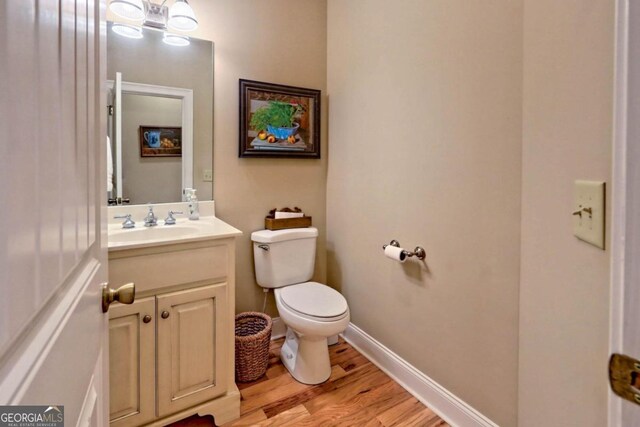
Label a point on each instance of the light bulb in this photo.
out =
(175, 39)
(181, 17)
(129, 9)
(126, 30)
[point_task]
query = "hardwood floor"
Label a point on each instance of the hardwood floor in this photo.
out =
(356, 394)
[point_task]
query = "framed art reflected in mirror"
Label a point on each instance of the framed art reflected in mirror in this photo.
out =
(156, 141)
(279, 121)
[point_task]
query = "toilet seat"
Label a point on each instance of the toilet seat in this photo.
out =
(314, 300)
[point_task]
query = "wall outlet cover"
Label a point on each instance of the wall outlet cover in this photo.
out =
(589, 212)
(207, 175)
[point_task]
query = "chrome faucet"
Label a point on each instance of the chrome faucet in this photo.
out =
(150, 220)
(170, 220)
(128, 222)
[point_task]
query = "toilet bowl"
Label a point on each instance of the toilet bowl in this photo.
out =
(284, 260)
(312, 312)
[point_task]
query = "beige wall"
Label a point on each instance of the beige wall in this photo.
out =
(564, 299)
(149, 179)
(278, 41)
(425, 147)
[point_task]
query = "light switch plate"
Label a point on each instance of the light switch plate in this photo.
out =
(207, 175)
(589, 212)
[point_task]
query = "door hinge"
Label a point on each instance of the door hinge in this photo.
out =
(624, 377)
(110, 110)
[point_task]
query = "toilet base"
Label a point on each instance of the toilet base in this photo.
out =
(306, 358)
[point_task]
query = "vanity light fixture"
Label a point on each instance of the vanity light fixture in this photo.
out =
(127, 30)
(179, 17)
(175, 39)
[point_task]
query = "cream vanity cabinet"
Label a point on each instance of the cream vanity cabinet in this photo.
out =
(171, 352)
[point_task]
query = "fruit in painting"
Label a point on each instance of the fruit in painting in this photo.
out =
(291, 139)
(271, 139)
(262, 135)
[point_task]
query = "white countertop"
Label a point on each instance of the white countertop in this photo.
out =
(184, 231)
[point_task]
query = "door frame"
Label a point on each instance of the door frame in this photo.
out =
(623, 135)
(186, 96)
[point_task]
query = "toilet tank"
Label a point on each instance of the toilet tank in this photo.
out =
(284, 257)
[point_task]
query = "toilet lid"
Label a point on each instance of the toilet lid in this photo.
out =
(314, 299)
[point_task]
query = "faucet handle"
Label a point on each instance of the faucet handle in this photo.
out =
(128, 222)
(170, 220)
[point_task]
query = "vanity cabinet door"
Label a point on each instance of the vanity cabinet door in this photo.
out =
(132, 342)
(192, 328)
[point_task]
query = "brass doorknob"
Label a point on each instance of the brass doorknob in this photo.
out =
(125, 294)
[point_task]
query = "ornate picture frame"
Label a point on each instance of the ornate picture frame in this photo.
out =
(279, 121)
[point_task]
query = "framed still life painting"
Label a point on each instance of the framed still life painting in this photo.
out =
(158, 141)
(279, 121)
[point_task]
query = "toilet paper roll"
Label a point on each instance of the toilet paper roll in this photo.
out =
(395, 253)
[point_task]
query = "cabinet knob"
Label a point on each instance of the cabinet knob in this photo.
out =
(146, 319)
(165, 314)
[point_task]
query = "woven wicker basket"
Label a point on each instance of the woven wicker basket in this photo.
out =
(253, 336)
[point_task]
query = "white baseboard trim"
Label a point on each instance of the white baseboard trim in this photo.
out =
(278, 328)
(449, 407)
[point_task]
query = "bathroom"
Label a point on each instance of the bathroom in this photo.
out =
(461, 127)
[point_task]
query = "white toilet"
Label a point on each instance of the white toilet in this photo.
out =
(284, 260)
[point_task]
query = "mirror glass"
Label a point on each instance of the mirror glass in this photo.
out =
(160, 123)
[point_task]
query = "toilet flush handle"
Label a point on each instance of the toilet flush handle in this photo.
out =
(264, 247)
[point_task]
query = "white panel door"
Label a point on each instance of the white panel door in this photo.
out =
(53, 243)
(625, 240)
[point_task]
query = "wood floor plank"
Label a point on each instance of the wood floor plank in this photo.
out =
(357, 394)
(290, 417)
(326, 387)
(346, 414)
(381, 398)
(275, 371)
(361, 408)
(348, 391)
(270, 391)
(348, 358)
(395, 415)
(250, 419)
(300, 398)
(424, 418)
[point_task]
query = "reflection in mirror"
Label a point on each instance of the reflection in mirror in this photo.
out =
(157, 160)
(160, 125)
(154, 176)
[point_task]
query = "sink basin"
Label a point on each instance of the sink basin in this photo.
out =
(150, 234)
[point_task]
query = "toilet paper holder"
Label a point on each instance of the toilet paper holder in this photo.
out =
(418, 252)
